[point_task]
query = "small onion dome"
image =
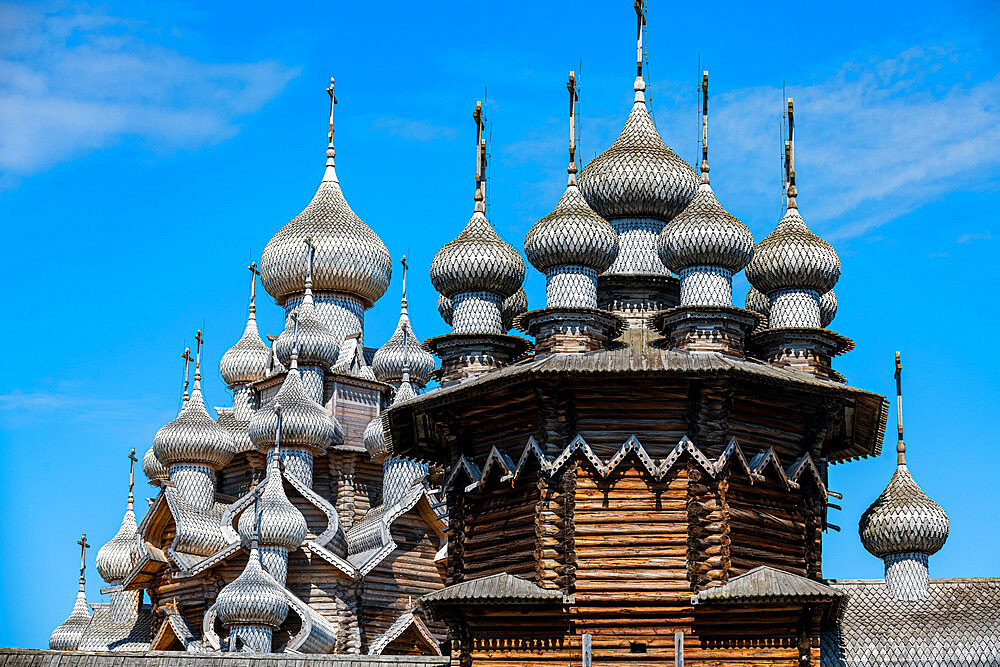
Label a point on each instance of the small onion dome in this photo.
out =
(281, 523)
(827, 308)
(253, 598)
(116, 558)
(572, 234)
(402, 347)
(705, 234)
(903, 520)
(67, 635)
(317, 344)
(248, 360)
(193, 436)
(153, 468)
(446, 307)
(638, 175)
(793, 257)
(350, 257)
(758, 302)
(374, 438)
(304, 422)
(478, 260)
(513, 306)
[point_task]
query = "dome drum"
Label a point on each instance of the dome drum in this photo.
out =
(398, 475)
(706, 285)
(636, 298)
(275, 561)
(251, 639)
(477, 313)
(570, 330)
(793, 307)
(907, 575)
(297, 461)
(468, 355)
(571, 286)
(723, 329)
(196, 484)
(807, 349)
(637, 253)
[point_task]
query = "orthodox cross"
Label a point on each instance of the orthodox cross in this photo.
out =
(405, 267)
(187, 363)
(704, 122)
(573, 97)
(640, 14)
(131, 474)
(310, 253)
(253, 284)
(900, 445)
(197, 356)
(790, 157)
(83, 557)
(333, 102)
(477, 115)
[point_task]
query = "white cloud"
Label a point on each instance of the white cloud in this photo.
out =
(78, 80)
(972, 237)
(413, 130)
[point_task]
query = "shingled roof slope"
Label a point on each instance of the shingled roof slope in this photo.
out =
(766, 584)
(957, 623)
(501, 587)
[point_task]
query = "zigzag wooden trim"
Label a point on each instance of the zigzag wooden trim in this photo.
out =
(804, 463)
(766, 458)
(531, 452)
(471, 470)
(733, 452)
(497, 459)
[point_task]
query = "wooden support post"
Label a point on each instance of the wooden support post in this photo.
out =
(679, 649)
(587, 651)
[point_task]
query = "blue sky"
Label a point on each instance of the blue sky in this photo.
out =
(148, 153)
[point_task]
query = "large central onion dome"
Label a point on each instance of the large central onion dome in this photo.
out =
(350, 257)
(478, 260)
(638, 176)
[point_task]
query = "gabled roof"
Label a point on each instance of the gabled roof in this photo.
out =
(405, 621)
(494, 589)
(957, 623)
(767, 585)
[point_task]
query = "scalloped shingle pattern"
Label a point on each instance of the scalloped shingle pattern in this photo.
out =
(252, 598)
(194, 437)
(478, 260)
(903, 519)
(304, 422)
(350, 256)
(248, 359)
(572, 234)
(317, 344)
(117, 557)
(403, 347)
(792, 256)
(704, 233)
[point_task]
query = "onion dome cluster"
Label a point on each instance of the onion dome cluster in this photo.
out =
(193, 437)
(153, 469)
(571, 245)
(903, 520)
(705, 245)
(252, 599)
(793, 267)
(304, 423)
(403, 351)
(120, 554)
(248, 360)
(350, 257)
(477, 271)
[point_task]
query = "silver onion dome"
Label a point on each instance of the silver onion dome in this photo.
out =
(827, 308)
(403, 351)
(705, 234)
(374, 437)
(638, 175)
(793, 257)
(67, 635)
(317, 344)
(446, 308)
(304, 422)
(350, 257)
(478, 260)
(281, 523)
(193, 436)
(252, 598)
(903, 519)
(513, 306)
(248, 360)
(571, 234)
(117, 557)
(154, 470)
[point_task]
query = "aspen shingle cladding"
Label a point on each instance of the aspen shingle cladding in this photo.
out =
(958, 623)
(104, 633)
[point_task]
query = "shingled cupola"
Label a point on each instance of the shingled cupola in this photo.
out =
(705, 245)
(904, 526)
(571, 246)
(638, 185)
(247, 361)
(793, 267)
(352, 264)
(477, 272)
